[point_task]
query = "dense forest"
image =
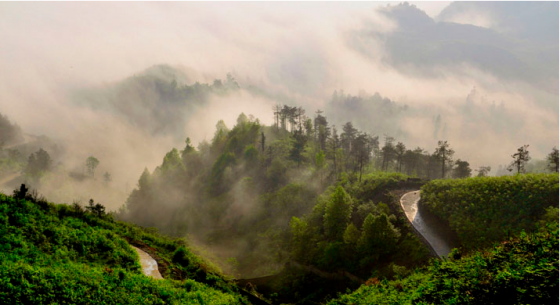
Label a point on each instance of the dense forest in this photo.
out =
(310, 207)
(303, 200)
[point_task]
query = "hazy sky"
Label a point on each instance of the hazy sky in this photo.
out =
(300, 50)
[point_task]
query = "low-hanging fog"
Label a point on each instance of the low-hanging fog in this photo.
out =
(92, 76)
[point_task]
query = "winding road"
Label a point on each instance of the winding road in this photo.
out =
(149, 265)
(433, 236)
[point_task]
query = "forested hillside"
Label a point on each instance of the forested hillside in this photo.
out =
(252, 179)
(56, 253)
(508, 230)
(9, 133)
(156, 100)
(312, 209)
(298, 192)
(521, 270)
(279, 153)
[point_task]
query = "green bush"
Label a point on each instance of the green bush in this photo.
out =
(181, 257)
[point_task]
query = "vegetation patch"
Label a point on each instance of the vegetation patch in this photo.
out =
(66, 255)
(484, 210)
(522, 270)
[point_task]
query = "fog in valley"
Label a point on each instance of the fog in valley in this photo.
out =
(128, 82)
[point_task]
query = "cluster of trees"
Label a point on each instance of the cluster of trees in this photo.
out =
(95, 208)
(355, 151)
(520, 163)
(9, 133)
(241, 189)
(38, 164)
(262, 193)
(345, 232)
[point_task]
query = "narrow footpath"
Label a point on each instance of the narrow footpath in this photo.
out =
(149, 265)
(433, 236)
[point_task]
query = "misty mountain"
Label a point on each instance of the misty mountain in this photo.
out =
(375, 113)
(536, 22)
(9, 133)
(157, 100)
(423, 47)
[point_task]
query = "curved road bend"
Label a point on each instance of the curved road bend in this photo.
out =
(149, 265)
(409, 203)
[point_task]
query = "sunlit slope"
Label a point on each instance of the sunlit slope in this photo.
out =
(61, 254)
(489, 209)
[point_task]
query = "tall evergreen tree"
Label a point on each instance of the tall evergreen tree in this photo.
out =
(400, 150)
(91, 164)
(520, 158)
(337, 214)
(445, 154)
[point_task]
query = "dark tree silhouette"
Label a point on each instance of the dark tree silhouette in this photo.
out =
(362, 149)
(38, 163)
(553, 160)
(388, 152)
(400, 150)
(483, 171)
(21, 193)
(107, 177)
(333, 145)
(444, 153)
(520, 158)
(299, 145)
(462, 169)
(91, 164)
(96, 209)
(322, 130)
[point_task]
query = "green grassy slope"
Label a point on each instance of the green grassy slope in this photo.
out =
(57, 254)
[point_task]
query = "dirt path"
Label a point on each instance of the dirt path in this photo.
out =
(149, 265)
(433, 236)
